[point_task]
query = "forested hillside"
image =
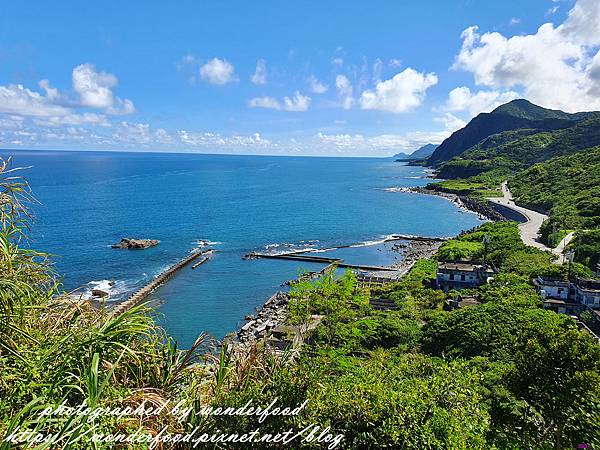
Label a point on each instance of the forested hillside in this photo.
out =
(516, 115)
(519, 149)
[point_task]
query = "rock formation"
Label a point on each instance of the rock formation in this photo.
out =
(135, 243)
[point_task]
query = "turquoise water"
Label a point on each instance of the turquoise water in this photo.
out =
(89, 200)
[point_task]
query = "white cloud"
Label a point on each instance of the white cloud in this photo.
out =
(11, 122)
(341, 140)
(451, 122)
(264, 102)
(394, 62)
(552, 66)
(405, 91)
(345, 91)
(16, 99)
(218, 71)
(382, 144)
(377, 69)
(211, 140)
(51, 93)
(95, 90)
(316, 87)
(297, 103)
(514, 21)
(73, 119)
(337, 62)
(462, 99)
(260, 74)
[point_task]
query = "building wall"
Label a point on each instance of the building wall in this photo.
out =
(588, 298)
(456, 280)
(559, 292)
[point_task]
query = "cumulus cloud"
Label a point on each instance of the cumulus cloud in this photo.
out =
(462, 99)
(260, 74)
(315, 86)
(16, 99)
(209, 139)
(296, 103)
(552, 67)
(337, 62)
(345, 91)
(379, 144)
(218, 71)
(405, 91)
(73, 119)
(95, 90)
(264, 102)
(377, 69)
(451, 122)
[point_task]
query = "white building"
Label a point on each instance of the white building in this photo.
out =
(460, 275)
(551, 288)
(587, 292)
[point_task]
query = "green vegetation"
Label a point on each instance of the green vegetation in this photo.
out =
(586, 246)
(480, 186)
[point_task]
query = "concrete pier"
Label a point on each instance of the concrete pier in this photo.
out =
(317, 259)
(159, 280)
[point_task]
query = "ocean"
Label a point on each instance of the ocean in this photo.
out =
(238, 204)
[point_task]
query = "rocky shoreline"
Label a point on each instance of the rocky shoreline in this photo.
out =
(483, 209)
(274, 313)
(412, 252)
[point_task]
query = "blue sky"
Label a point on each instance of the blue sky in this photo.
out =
(316, 78)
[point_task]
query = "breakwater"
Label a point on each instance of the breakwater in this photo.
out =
(141, 294)
(317, 259)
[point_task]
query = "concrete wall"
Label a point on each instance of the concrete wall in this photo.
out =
(510, 214)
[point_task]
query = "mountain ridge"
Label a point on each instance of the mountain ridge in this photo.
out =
(518, 114)
(422, 152)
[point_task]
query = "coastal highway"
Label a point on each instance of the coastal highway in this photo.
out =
(529, 229)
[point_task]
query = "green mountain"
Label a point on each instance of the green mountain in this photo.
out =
(423, 152)
(514, 150)
(520, 116)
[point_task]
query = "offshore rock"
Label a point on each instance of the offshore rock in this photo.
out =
(135, 243)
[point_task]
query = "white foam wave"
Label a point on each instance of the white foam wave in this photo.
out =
(382, 240)
(116, 289)
(397, 189)
(286, 247)
(205, 243)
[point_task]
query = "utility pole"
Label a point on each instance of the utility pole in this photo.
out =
(569, 256)
(486, 242)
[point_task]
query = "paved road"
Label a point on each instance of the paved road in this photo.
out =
(559, 249)
(529, 229)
